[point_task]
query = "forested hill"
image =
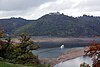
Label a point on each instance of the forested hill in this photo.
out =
(56, 24)
(10, 25)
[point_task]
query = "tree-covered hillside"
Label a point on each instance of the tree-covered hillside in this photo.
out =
(10, 25)
(56, 24)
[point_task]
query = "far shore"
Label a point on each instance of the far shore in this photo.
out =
(51, 42)
(61, 39)
(71, 54)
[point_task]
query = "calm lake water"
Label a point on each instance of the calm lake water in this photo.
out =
(51, 52)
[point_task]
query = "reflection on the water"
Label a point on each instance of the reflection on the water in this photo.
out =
(75, 62)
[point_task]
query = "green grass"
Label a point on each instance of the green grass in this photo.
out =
(6, 64)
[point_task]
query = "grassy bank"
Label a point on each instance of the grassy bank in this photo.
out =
(6, 64)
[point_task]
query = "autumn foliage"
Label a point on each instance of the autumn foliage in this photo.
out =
(94, 52)
(1, 33)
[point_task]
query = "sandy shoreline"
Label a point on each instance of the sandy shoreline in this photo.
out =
(71, 54)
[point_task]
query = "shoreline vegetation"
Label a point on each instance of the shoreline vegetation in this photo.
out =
(71, 54)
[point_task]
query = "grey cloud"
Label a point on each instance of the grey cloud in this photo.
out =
(37, 8)
(60, 6)
(11, 5)
(12, 13)
(89, 5)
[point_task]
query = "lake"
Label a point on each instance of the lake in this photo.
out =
(50, 48)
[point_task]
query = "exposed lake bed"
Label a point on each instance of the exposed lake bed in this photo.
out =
(53, 42)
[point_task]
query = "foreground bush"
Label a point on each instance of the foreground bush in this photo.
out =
(20, 53)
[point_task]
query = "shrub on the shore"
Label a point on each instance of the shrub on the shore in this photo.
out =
(19, 53)
(1, 33)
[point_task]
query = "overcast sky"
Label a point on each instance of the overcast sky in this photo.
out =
(33, 9)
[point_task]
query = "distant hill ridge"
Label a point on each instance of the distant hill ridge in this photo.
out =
(54, 24)
(11, 24)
